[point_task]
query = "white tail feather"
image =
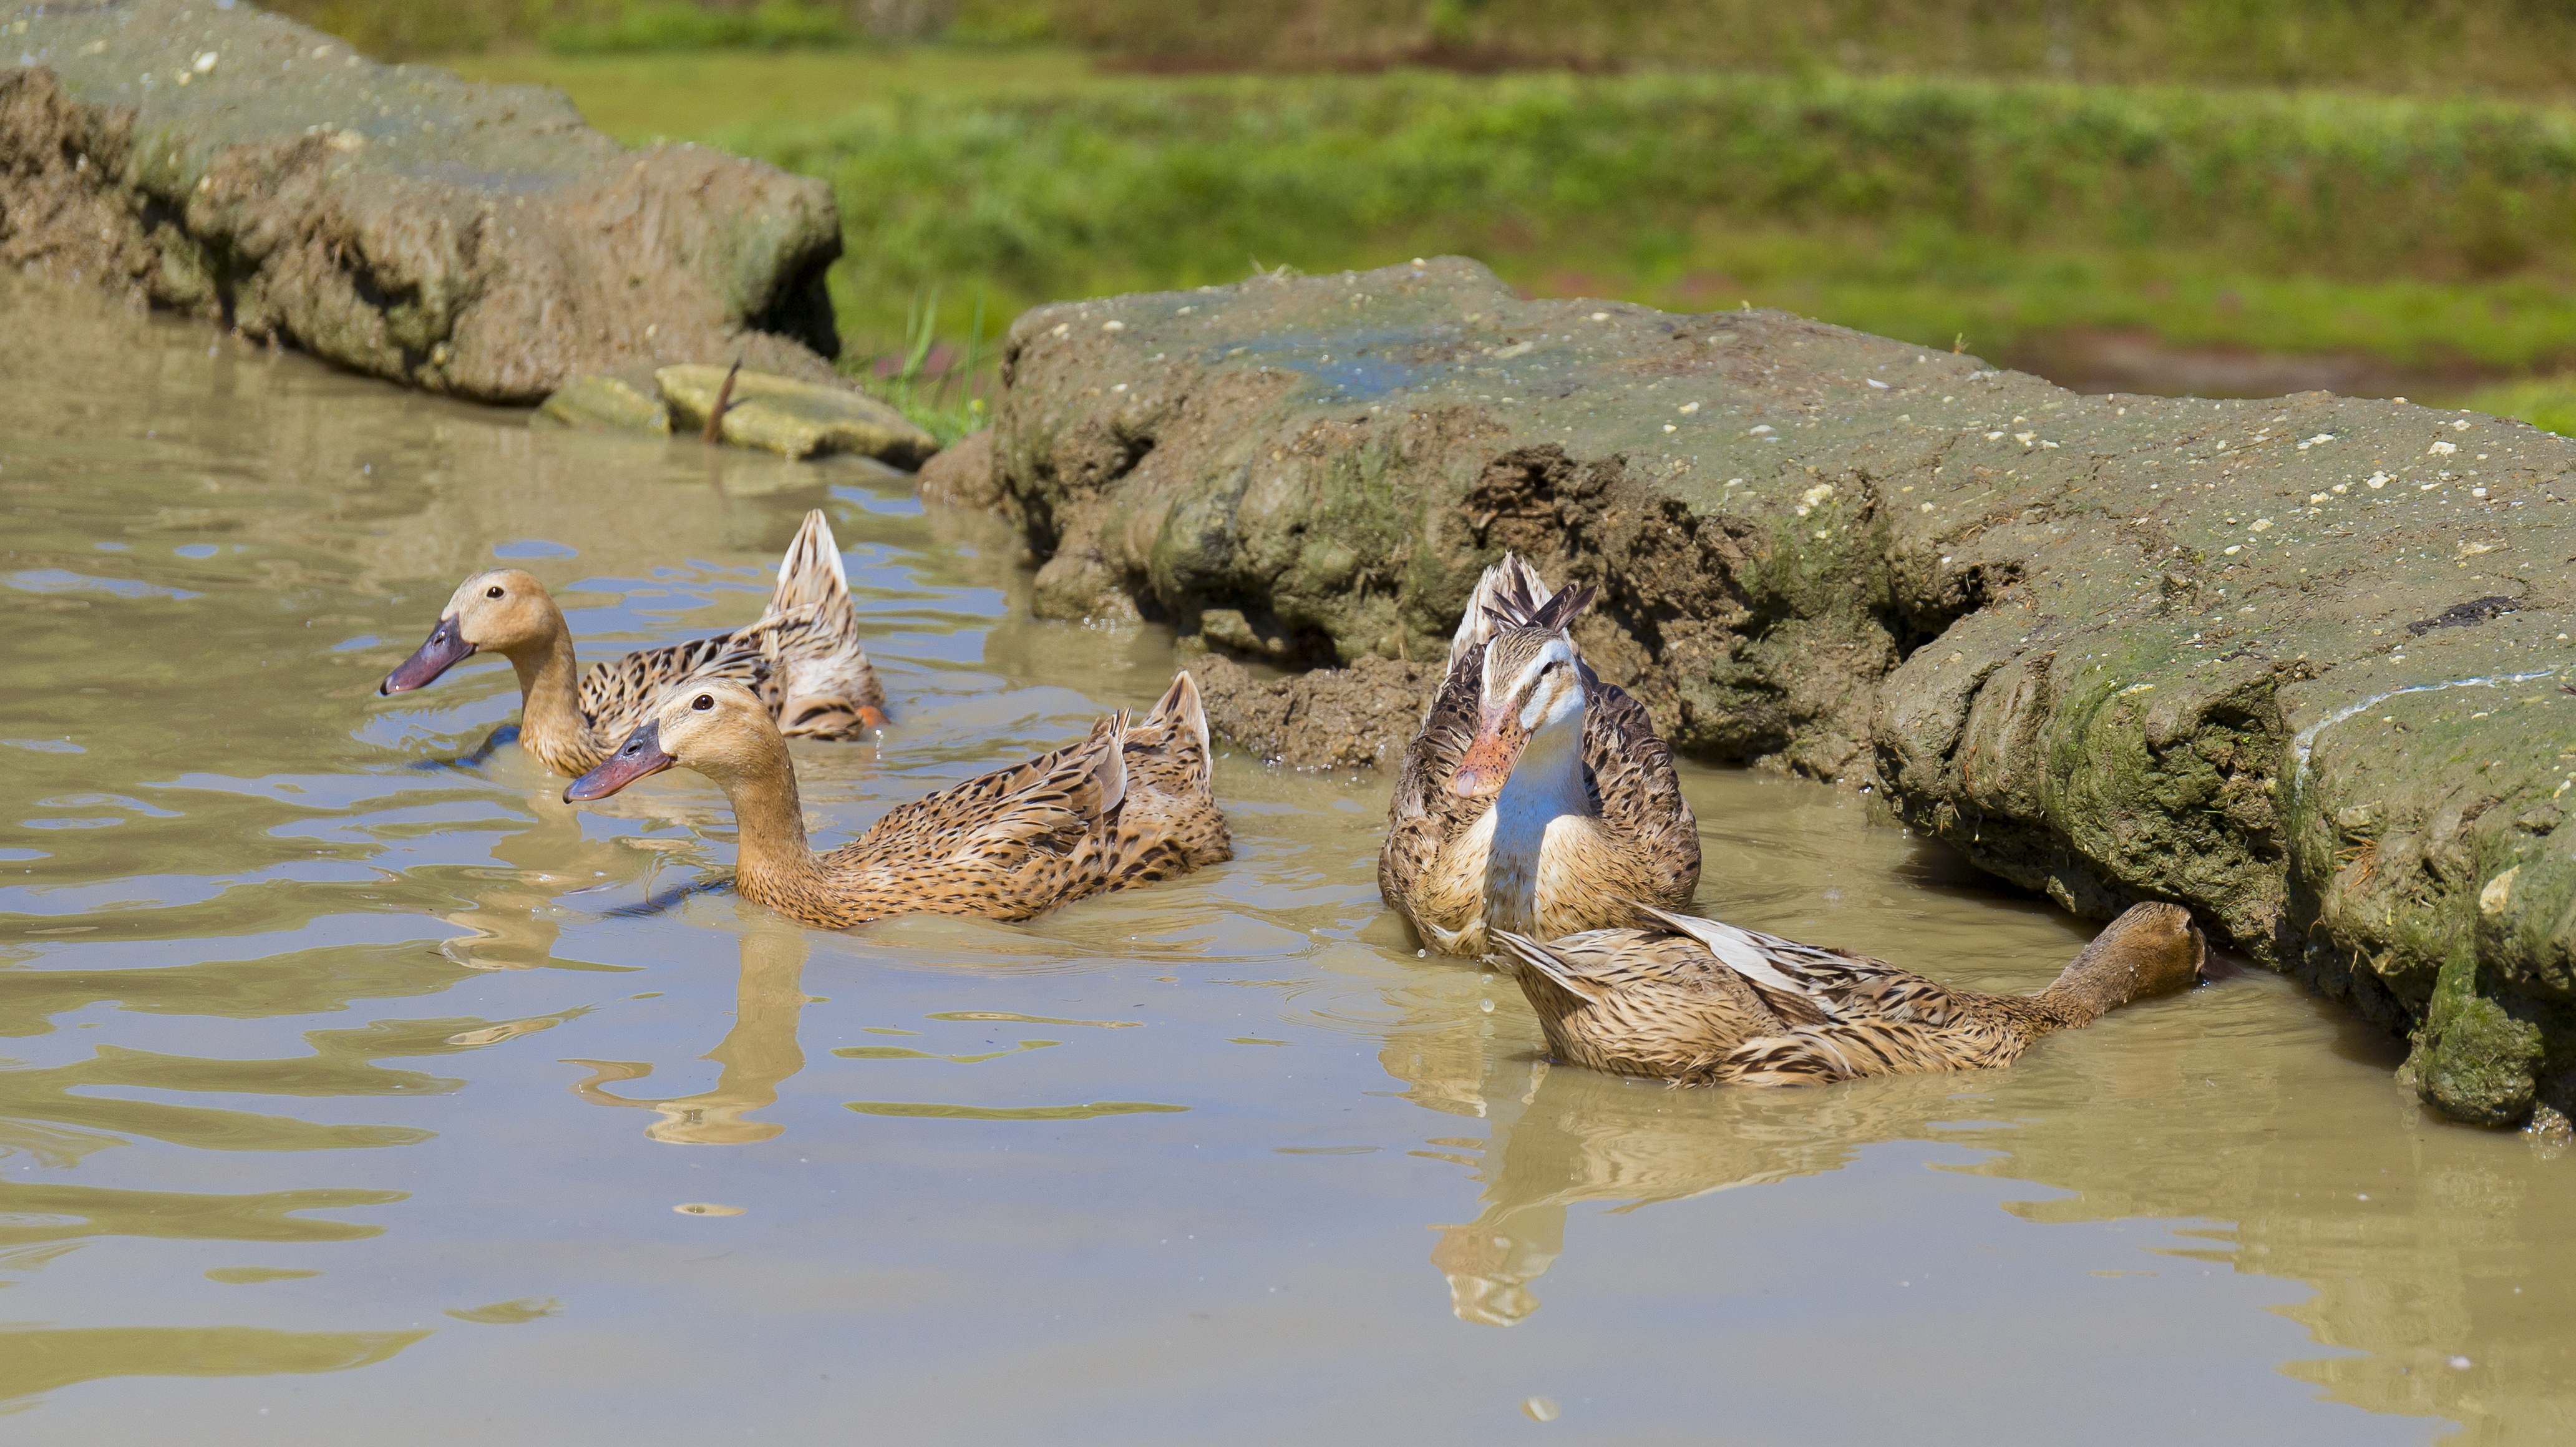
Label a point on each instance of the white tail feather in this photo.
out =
(1111, 774)
(1734, 949)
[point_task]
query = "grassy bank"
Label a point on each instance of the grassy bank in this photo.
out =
(2429, 47)
(2436, 237)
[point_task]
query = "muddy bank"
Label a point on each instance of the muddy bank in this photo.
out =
(2301, 665)
(469, 239)
(1336, 719)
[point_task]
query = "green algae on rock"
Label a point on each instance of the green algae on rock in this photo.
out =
(610, 403)
(2301, 665)
(469, 239)
(799, 419)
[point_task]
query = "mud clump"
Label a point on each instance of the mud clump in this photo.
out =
(1332, 719)
(2111, 648)
(468, 239)
(962, 476)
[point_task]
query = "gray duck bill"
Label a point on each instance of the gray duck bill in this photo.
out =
(640, 755)
(445, 649)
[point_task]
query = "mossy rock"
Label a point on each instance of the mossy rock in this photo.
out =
(2302, 665)
(601, 402)
(798, 419)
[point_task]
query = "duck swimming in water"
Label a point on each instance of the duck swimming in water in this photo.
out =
(1128, 805)
(1698, 1002)
(802, 657)
(1536, 797)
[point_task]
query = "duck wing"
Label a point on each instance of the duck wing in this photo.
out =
(1822, 1054)
(1848, 1015)
(824, 686)
(1630, 769)
(1010, 844)
(618, 696)
(1596, 964)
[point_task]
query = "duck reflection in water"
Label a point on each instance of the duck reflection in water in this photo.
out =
(517, 911)
(1557, 1137)
(756, 1055)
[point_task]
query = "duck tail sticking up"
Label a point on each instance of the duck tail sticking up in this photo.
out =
(829, 689)
(810, 574)
(1512, 595)
(1181, 712)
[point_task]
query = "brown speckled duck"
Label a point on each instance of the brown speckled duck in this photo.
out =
(802, 657)
(1703, 1003)
(1128, 805)
(1537, 797)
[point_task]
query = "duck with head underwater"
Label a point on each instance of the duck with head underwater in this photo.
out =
(1700, 1002)
(1536, 796)
(1128, 805)
(802, 656)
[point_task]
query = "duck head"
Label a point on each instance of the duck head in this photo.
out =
(1532, 686)
(2151, 950)
(501, 610)
(716, 726)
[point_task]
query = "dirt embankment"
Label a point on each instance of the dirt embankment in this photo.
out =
(2302, 665)
(475, 240)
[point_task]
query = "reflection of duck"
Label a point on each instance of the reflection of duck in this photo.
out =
(1707, 1002)
(1536, 797)
(802, 656)
(516, 912)
(1128, 805)
(757, 1054)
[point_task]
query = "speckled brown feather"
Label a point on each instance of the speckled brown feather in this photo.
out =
(1128, 805)
(1706, 1003)
(802, 657)
(1653, 838)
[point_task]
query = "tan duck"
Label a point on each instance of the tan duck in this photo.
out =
(1536, 798)
(1128, 805)
(1702, 1003)
(802, 657)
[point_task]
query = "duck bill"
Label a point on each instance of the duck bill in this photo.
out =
(445, 649)
(1490, 755)
(640, 755)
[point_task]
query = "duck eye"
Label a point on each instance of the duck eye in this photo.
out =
(703, 701)
(492, 592)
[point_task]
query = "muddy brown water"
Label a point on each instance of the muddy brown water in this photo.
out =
(354, 1093)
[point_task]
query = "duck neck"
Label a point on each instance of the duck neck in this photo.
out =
(1546, 786)
(772, 854)
(2089, 989)
(550, 719)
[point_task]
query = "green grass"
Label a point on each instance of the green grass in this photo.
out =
(677, 25)
(2436, 235)
(2545, 402)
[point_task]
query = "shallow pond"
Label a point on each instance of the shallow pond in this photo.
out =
(424, 1108)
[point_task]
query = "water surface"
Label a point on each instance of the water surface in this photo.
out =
(361, 1090)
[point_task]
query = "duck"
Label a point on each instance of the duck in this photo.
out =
(1128, 805)
(802, 656)
(1700, 1002)
(1536, 796)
